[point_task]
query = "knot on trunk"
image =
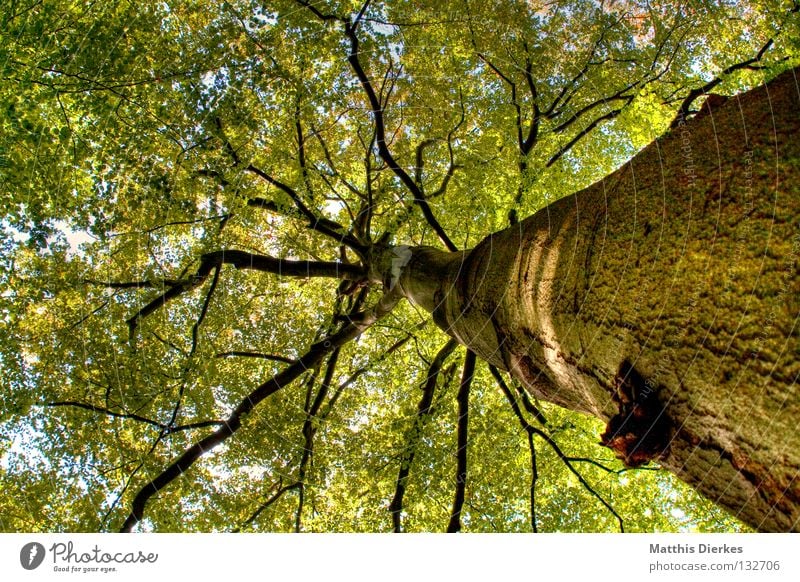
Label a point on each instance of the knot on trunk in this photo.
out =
(641, 430)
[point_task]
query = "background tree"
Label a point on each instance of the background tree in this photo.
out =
(181, 184)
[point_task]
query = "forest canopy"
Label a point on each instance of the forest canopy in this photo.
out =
(194, 193)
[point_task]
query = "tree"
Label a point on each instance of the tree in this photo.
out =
(161, 371)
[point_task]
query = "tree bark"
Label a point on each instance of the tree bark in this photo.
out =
(664, 299)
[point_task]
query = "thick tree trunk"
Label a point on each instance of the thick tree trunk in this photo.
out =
(664, 299)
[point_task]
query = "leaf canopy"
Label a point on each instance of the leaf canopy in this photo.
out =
(136, 139)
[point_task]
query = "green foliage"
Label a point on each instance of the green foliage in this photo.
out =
(128, 137)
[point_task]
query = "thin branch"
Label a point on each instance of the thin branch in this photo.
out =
(179, 222)
(195, 342)
(534, 479)
(360, 15)
(301, 148)
(415, 433)
(452, 166)
(618, 96)
(316, 11)
(167, 429)
(514, 101)
(421, 160)
(94, 311)
(170, 344)
(467, 375)
(533, 130)
(204, 311)
(233, 423)
(129, 479)
(329, 160)
(313, 405)
(309, 430)
(358, 373)
(107, 412)
(609, 469)
(322, 225)
(570, 89)
(244, 354)
(264, 506)
(537, 414)
(148, 284)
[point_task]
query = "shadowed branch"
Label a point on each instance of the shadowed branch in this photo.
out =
(266, 504)
(233, 423)
(166, 428)
(532, 430)
(377, 108)
(686, 105)
(415, 434)
(467, 375)
(240, 260)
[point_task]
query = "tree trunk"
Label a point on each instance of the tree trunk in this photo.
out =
(663, 299)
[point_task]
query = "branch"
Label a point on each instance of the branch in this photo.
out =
(534, 479)
(618, 96)
(272, 499)
(204, 311)
(415, 434)
(233, 423)
(526, 402)
(309, 430)
(243, 260)
(420, 160)
(686, 104)
(358, 373)
(514, 101)
(623, 95)
(562, 99)
(537, 414)
(532, 430)
(195, 342)
(322, 225)
(301, 148)
(463, 434)
(332, 165)
(167, 429)
(284, 267)
(148, 284)
(581, 134)
(380, 130)
(243, 354)
(452, 166)
(536, 114)
(609, 469)
(317, 13)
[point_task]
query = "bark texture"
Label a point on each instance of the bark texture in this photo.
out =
(664, 299)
